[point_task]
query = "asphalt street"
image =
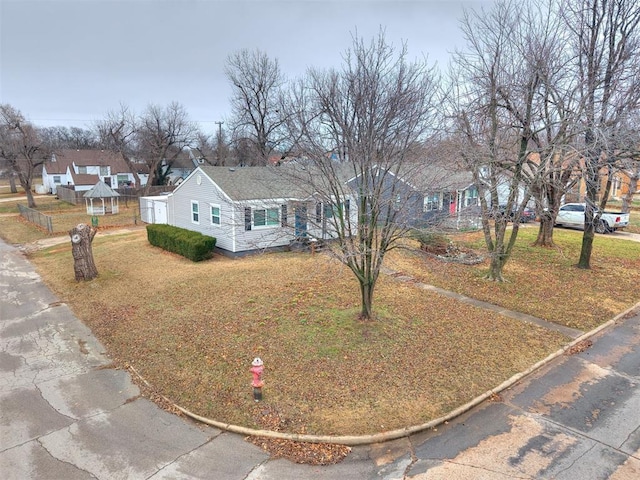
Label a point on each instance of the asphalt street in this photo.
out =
(66, 414)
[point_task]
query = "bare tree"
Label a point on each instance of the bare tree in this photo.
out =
(21, 147)
(69, 137)
(157, 136)
(496, 110)
(213, 149)
(118, 132)
(606, 39)
(632, 172)
(627, 151)
(258, 114)
(362, 123)
(163, 133)
(554, 118)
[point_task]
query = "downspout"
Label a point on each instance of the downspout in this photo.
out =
(233, 226)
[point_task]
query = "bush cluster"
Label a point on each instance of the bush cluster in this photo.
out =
(429, 239)
(192, 245)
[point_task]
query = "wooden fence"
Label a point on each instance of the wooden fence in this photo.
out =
(69, 195)
(34, 216)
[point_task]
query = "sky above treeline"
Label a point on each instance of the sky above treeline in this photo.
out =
(70, 62)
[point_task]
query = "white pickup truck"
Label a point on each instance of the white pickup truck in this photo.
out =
(572, 215)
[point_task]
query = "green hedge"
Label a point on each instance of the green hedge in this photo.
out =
(192, 245)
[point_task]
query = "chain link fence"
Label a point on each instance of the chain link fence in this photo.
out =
(39, 218)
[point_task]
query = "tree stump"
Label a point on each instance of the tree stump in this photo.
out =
(83, 264)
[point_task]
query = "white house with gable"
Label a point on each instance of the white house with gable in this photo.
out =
(250, 208)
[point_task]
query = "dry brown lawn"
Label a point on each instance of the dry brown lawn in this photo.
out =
(543, 282)
(192, 329)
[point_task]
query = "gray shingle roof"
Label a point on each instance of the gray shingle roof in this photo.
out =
(256, 183)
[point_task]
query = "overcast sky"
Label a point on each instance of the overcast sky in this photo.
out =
(69, 62)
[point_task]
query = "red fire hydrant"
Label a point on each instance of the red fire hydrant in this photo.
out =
(257, 367)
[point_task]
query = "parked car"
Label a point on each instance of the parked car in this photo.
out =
(527, 215)
(572, 215)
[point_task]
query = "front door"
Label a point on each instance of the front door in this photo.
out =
(300, 213)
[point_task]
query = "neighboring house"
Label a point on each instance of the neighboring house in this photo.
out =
(182, 166)
(429, 193)
(621, 181)
(82, 169)
(250, 208)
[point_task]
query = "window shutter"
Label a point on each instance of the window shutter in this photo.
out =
(247, 219)
(283, 216)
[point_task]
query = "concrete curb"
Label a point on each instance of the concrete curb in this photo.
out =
(355, 440)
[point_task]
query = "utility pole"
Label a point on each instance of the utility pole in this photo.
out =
(219, 160)
(219, 129)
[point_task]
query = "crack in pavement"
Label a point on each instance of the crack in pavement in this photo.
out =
(502, 474)
(578, 458)
(573, 431)
(75, 467)
(168, 464)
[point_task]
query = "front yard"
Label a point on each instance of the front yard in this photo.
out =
(192, 329)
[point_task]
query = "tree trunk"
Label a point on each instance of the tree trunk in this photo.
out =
(592, 179)
(31, 202)
(83, 264)
(498, 261)
(627, 199)
(366, 290)
(545, 232)
(12, 183)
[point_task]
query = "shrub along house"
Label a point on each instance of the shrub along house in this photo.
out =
(249, 208)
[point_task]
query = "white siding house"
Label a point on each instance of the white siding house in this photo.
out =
(82, 169)
(246, 208)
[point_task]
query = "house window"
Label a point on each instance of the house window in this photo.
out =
(104, 171)
(195, 211)
(82, 170)
(471, 197)
(56, 179)
(432, 202)
(328, 211)
(123, 179)
(336, 210)
(215, 214)
(266, 217)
